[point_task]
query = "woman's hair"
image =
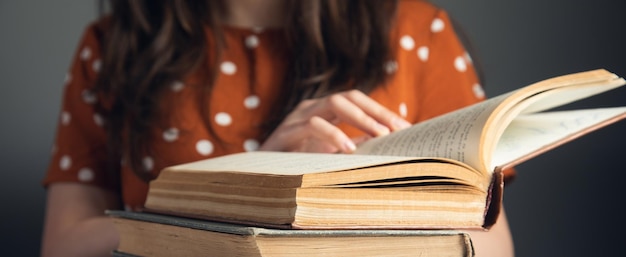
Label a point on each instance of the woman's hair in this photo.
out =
(149, 44)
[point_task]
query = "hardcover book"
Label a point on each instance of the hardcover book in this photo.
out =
(145, 234)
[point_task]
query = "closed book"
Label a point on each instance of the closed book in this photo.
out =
(146, 234)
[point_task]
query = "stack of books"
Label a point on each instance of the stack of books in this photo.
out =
(405, 194)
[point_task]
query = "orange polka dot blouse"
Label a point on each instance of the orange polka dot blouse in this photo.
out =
(431, 74)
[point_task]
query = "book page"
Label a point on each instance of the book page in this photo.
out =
(561, 96)
(529, 133)
(286, 163)
(462, 135)
(532, 101)
(455, 135)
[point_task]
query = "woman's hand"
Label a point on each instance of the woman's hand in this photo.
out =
(311, 126)
(75, 223)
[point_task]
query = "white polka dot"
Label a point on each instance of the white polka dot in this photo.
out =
(177, 86)
(407, 42)
(251, 102)
(85, 175)
(437, 25)
(478, 91)
(460, 64)
(97, 64)
(85, 53)
(423, 53)
(204, 147)
(468, 58)
(97, 118)
(251, 145)
(223, 119)
(65, 163)
(391, 67)
(228, 68)
(170, 135)
(89, 96)
(148, 163)
(66, 117)
(403, 110)
(68, 78)
(252, 41)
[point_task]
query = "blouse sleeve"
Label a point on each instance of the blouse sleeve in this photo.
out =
(448, 80)
(79, 153)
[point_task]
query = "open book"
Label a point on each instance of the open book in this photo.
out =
(146, 234)
(441, 173)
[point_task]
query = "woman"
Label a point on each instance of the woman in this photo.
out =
(158, 83)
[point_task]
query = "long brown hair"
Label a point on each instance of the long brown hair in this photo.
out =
(149, 44)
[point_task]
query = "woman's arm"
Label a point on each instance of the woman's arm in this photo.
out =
(496, 242)
(75, 224)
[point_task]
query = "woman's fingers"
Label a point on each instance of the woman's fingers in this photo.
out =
(347, 111)
(324, 131)
(313, 135)
(376, 111)
(358, 110)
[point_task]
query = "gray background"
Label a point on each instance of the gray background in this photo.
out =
(560, 205)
